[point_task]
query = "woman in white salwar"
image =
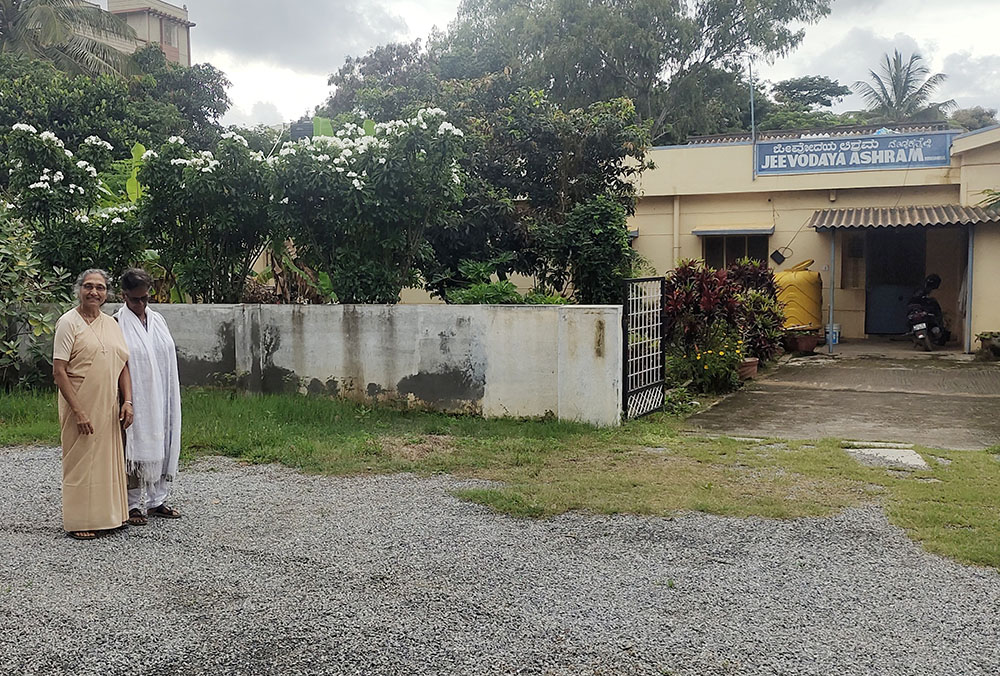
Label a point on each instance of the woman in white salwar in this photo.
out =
(153, 443)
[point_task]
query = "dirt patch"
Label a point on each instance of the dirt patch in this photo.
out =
(417, 448)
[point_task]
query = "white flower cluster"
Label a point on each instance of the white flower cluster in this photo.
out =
(150, 155)
(82, 218)
(98, 142)
(68, 152)
(420, 121)
(48, 136)
(203, 162)
(20, 126)
(74, 188)
(176, 139)
(449, 128)
(87, 167)
(236, 137)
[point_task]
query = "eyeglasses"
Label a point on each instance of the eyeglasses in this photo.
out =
(93, 287)
(138, 299)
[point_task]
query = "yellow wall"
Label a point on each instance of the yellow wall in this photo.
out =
(985, 289)
(715, 187)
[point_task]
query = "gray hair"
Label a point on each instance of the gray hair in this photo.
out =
(135, 278)
(86, 273)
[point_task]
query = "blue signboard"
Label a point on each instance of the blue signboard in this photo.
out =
(859, 153)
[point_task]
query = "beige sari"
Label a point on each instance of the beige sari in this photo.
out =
(93, 488)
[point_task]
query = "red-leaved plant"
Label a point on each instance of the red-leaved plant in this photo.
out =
(695, 298)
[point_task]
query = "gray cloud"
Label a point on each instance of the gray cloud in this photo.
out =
(304, 35)
(262, 112)
(972, 81)
(859, 51)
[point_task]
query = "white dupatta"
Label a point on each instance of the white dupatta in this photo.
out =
(153, 442)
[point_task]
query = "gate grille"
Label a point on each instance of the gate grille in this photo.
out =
(644, 368)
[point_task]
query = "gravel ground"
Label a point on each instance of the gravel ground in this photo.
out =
(274, 572)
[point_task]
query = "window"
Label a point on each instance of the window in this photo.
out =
(723, 250)
(169, 33)
(852, 267)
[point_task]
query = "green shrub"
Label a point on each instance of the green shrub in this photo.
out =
(710, 365)
(486, 293)
(761, 325)
(33, 298)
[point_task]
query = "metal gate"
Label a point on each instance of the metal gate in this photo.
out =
(644, 349)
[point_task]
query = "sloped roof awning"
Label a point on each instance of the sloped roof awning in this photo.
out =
(902, 217)
(733, 230)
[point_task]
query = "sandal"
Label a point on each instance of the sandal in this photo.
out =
(136, 517)
(164, 512)
(82, 534)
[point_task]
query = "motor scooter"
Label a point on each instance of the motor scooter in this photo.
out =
(925, 318)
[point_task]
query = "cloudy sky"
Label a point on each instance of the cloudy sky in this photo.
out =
(278, 55)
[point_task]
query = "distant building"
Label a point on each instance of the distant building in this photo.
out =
(156, 22)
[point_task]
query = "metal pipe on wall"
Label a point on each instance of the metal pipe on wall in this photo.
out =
(677, 230)
(833, 284)
(968, 289)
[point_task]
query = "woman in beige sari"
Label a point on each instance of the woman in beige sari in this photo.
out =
(90, 366)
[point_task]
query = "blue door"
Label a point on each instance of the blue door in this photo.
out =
(895, 266)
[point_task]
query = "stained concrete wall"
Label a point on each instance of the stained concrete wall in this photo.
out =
(491, 360)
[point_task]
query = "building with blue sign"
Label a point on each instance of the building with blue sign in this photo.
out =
(876, 209)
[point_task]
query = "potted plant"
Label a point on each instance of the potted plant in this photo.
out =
(990, 343)
(800, 339)
(748, 368)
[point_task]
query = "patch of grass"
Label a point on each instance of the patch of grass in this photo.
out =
(547, 467)
(29, 418)
(505, 501)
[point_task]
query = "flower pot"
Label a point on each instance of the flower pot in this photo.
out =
(991, 347)
(801, 342)
(748, 369)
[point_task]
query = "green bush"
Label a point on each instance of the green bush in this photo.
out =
(486, 293)
(761, 325)
(711, 365)
(34, 296)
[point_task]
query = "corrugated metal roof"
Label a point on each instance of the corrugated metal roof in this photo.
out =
(945, 214)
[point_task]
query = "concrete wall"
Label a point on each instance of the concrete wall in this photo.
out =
(495, 361)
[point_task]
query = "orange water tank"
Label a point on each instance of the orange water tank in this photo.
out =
(801, 292)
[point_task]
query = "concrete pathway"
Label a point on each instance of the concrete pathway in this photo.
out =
(940, 403)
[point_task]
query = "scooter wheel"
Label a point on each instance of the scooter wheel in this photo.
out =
(927, 344)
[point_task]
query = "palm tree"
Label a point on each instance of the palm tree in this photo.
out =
(903, 90)
(73, 35)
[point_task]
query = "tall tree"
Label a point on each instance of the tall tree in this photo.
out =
(902, 90)
(71, 34)
(583, 51)
(974, 118)
(809, 92)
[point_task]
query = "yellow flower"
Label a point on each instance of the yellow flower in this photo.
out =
(710, 352)
(706, 367)
(698, 357)
(721, 353)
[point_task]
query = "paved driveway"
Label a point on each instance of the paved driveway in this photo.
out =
(941, 403)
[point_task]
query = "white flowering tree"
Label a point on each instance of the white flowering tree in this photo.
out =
(208, 214)
(57, 193)
(358, 205)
